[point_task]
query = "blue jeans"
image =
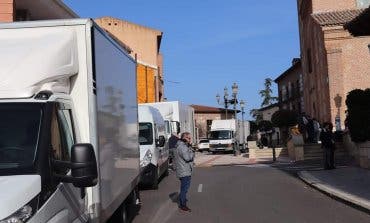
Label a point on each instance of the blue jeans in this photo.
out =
(185, 184)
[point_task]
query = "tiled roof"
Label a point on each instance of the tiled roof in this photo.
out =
(208, 109)
(335, 18)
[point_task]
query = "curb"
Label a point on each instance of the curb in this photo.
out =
(334, 192)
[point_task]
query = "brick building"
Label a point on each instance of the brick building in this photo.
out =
(290, 88)
(204, 115)
(143, 43)
(23, 10)
(333, 61)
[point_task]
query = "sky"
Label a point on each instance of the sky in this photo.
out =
(210, 44)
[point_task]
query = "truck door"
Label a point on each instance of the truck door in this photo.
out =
(62, 139)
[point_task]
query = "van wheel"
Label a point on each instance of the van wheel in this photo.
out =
(120, 215)
(155, 178)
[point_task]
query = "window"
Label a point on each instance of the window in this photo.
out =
(62, 137)
(19, 135)
(209, 123)
(145, 134)
(363, 3)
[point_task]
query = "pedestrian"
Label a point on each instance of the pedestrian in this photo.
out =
(327, 140)
(316, 127)
(172, 141)
(310, 130)
(184, 158)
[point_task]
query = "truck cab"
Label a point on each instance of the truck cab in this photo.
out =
(223, 136)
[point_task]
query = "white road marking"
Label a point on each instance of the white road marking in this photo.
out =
(200, 188)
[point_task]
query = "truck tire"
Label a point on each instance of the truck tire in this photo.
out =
(121, 215)
(155, 178)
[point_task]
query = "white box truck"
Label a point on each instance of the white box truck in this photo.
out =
(244, 132)
(68, 124)
(224, 135)
(154, 152)
(180, 116)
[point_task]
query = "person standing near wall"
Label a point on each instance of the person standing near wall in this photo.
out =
(327, 140)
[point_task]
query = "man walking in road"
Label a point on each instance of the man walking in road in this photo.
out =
(327, 140)
(184, 157)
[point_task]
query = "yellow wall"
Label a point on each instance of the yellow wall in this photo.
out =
(145, 84)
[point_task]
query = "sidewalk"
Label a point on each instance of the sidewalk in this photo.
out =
(209, 160)
(350, 184)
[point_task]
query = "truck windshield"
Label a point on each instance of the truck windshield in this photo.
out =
(19, 133)
(224, 134)
(145, 134)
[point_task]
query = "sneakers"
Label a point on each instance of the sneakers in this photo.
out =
(185, 208)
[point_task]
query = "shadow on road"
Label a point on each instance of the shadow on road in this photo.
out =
(174, 197)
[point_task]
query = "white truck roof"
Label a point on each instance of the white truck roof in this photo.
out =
(149, 114)
(60, 46)
(228, 124)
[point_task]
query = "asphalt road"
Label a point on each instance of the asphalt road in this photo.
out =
(250, 193)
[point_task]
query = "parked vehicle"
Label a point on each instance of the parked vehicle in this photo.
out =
(224, 135)
(244, 132)
(203, 145)
(154, 154)
(179, 115)
(68, 151)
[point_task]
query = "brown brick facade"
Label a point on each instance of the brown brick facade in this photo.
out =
(145, 45)
(334, 62)
(7, 10)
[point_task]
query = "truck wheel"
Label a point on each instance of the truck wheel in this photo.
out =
(155, 178)
(120, 216)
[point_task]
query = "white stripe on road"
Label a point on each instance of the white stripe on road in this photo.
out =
(200, 188)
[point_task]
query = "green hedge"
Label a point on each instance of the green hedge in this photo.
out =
(358, 114)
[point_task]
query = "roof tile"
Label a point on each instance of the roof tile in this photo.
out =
(335, 18)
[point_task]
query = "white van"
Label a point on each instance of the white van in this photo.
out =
(154, 154)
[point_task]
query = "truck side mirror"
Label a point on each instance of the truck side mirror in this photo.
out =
(83, 166)
(161, 141)
(86, 172)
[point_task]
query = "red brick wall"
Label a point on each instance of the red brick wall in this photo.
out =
(340, 62)
(316, 91)
(331, 5)
(7, 9)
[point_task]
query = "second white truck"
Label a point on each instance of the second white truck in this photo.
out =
(228, 135)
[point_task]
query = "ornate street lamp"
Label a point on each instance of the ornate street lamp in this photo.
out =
(242, 105)
(226, 103)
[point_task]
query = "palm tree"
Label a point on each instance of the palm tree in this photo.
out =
(256, 114)
(268, 99)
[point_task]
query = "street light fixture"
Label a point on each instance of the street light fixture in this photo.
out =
(226, 103)
(242, 105)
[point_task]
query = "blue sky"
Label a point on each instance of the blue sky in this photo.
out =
(210, 44)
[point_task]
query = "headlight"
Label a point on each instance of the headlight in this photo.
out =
(20, 216)
(145, 161)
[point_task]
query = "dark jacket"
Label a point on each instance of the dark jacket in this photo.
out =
(184, 158)
(327, 139)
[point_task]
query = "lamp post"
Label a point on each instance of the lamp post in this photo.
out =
(226, 103)
(242, 105)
